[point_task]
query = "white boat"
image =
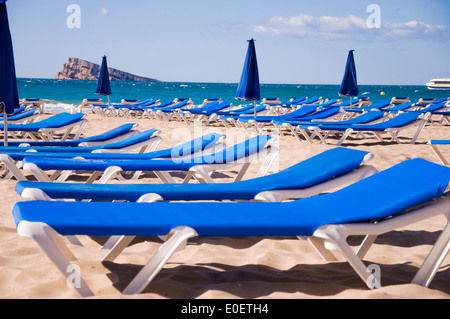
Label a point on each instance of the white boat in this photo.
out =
(439, 84)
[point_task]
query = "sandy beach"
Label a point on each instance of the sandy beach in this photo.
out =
(250, 267)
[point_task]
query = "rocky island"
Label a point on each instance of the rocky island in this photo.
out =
(78, 69)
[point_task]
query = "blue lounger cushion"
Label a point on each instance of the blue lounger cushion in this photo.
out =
(115, 132)
(137, 138)
(439, 142)
(398, 121)
(174, 107)
(382, 195)
(303, 111)
(227, 155)
(360, 119)
(313, 171)
(179, 150)
(208, 108)
(328, 112)
(378, 105)
(57, 120)
(22, 115)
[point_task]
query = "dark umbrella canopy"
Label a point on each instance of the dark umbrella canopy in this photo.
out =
(349, 85)
(248, 88)
(8, 86)
(103, 86)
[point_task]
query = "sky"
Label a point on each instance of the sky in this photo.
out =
(400, 42)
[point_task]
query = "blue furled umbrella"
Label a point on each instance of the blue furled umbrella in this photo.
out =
(103, 86)
(248, 88)
(349, 85)
(9, 96)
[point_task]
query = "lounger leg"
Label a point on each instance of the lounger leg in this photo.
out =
(305, 135)
(151, 269)
(434, 259)
(365, 245)
(344, 136)
(116, 244)
(109, 173)
(438, 153)
(11, 166)
(317, 244)
(164, 177)
(37, 172)
(337, 240)
(242, 172)
(51, 243)
(119, 243)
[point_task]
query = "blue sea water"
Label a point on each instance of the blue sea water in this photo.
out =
(60, 94)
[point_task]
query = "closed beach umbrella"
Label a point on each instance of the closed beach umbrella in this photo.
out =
(103, 86)
(248, 88)
(9, 96)
(349, 85)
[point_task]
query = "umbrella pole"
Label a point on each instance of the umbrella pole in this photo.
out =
(108, 100)
(254, 106)
(5, 126)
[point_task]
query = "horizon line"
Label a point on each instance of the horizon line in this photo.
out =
(160, 81)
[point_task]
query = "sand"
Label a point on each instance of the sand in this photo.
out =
(250, 267)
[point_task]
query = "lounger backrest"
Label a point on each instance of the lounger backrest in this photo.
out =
(331, 163)
(57, 120)
(400, 120)
(400, 107)
(237, 151)
(22, 115)
(433, 107)
(304, 110)
(190, 147)
(130, 140)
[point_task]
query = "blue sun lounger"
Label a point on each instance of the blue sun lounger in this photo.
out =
(12, 160)
(321, 172)
(380, 105)
(302, 111)
(116, 109)
(293, 125)
(46, 128)
(399, 108)
(312, 119)
(294, 102)
(311, 100)
(26, 116)
(168, 112)
(391, 127)
(17, 111)
(396, 197)
(198, 114)
(141, 140)
(202, 108)
(198, 167)
(248, 124)
(112, 135)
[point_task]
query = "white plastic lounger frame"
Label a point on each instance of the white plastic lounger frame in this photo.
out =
(438, 152)
(13, 167)
(392, 132)
(201, 173)
(326, 238)
(48, 134)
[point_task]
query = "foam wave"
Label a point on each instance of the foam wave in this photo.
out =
(54, 106)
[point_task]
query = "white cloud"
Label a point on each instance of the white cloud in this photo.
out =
(351, 27)
(104, 11)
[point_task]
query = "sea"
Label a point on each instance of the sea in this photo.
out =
(60, 95)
